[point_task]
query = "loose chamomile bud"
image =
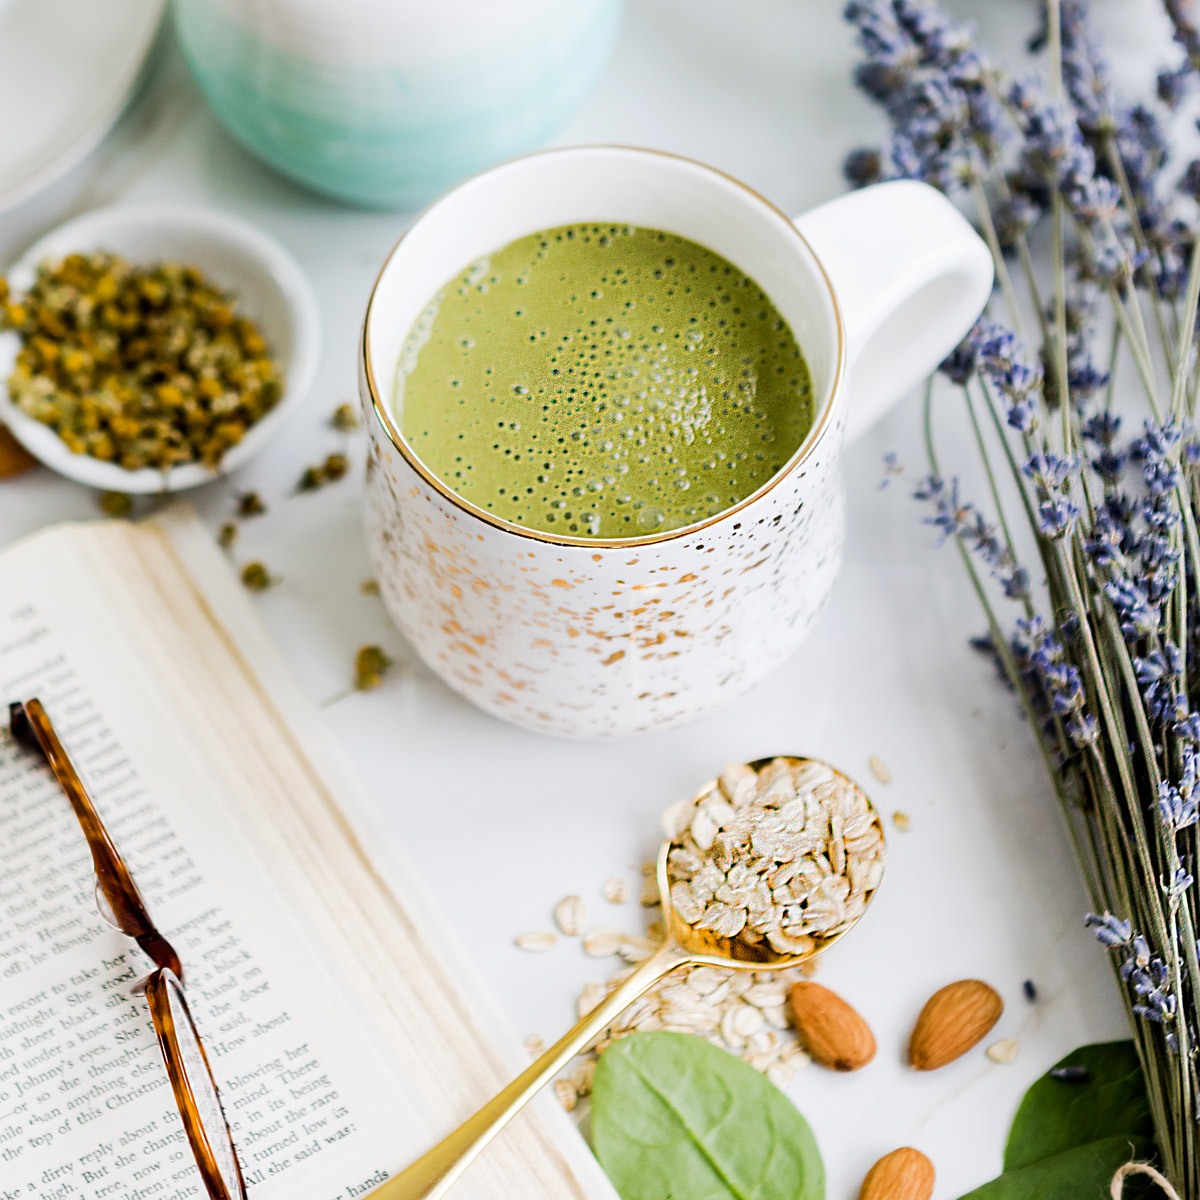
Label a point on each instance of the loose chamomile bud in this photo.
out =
(115, 504)
(256, 577)
(250, 505)
(345, 418)
(370, 666)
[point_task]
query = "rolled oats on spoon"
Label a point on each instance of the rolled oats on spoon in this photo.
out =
(788, 812)
(793, 851)
(786, 853)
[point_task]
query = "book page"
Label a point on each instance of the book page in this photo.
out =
(85, 1106)
(343, 1041)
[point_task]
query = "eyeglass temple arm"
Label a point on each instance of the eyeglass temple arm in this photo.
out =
(32, 729)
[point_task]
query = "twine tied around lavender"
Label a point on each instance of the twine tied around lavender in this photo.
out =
(1141, 1168)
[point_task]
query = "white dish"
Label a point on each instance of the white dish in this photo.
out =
(271, 290)
(67, 70)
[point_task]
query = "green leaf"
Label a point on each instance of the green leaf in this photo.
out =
(1082, 1173)
(675, 1118)
(1057, 1115)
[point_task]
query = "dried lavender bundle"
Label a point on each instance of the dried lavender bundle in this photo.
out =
(1085, 553)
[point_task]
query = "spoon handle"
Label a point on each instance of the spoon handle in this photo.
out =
(434, 1173)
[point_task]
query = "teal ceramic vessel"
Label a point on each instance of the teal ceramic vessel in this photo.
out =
(386, 103)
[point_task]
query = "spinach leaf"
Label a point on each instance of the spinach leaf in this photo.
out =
(1082, 1173)
(1057, 1115)
(1069, 1137)
(675, 1118)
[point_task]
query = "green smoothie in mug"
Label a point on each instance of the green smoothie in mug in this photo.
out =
(603, 380)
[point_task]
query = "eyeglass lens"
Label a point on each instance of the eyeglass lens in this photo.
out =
(204, 1090)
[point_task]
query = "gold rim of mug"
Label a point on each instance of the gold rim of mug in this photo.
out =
(413, 459)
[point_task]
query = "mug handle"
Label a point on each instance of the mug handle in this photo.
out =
(910, 276)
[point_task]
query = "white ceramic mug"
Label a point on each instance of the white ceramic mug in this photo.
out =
(590, 637)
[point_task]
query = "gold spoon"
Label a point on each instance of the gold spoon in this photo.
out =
(435, 1172)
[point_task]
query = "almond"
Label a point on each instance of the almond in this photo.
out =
(14, 458)
(953, 1020)
(831, 1032)
(905, 1174)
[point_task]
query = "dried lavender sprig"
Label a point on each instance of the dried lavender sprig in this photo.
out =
(1121, 560)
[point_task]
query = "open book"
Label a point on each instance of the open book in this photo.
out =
(344, 1045)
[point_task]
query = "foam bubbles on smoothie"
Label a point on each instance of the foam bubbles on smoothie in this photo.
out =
(611, 382)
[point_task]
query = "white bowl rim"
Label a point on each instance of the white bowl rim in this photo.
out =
(85, 233)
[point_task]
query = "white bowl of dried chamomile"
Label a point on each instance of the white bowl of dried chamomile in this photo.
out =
(152, 349)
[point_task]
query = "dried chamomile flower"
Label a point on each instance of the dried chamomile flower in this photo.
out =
(257, 578)
(311, 479)
(345, 418)
(115, 504)
(227, 536)
(148, 366)
(370, 666)
(250, 504)
(331, 470)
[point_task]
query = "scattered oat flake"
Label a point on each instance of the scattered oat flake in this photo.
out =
(536, 943)
(591, 995)
(677, 818)
(583, 1076)
(638, 949)
(536, 1045)
(564, 1089)
(1003, 1051)
(810, 966)
(734, 1010)
(880, 769)
(569, 915)
(902, 821)
(601, 943)
(616, 890)
(650, 896)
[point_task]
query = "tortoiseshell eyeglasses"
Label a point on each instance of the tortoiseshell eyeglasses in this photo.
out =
(122, 906)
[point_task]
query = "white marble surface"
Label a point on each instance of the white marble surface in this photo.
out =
(502, 823)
